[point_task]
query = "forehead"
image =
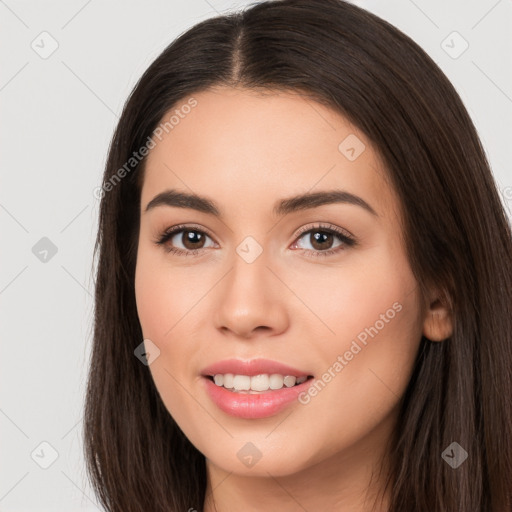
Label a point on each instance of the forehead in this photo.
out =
(239, 146)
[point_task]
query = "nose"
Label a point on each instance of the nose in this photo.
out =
(252, 300)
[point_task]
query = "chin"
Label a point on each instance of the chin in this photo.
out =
(260, 458)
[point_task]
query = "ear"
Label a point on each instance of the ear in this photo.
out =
(438, 321)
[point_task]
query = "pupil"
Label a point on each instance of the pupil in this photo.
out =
(320, 239)
(191, 235)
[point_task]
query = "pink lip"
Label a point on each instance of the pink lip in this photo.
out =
(251, 368)
(257, 405)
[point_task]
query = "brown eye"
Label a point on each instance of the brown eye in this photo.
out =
(192, 239)
(183, 241)
(321, 240)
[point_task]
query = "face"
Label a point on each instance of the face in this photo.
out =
(255, 284)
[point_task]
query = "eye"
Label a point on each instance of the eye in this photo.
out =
(321, 239)
(192, 240)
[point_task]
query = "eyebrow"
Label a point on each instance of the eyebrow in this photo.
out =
(281, 207)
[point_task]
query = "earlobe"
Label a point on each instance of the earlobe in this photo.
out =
(438, 322)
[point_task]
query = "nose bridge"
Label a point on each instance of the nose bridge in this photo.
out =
(250, 275)
(250, 250)
(249, 298)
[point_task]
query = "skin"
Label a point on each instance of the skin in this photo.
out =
(245, 151)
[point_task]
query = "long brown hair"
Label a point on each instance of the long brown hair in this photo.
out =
(457, 235)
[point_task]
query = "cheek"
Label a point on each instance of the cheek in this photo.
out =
(366, 365)
(151, 299)
(163, 295)
(371, 328)
(374, 289)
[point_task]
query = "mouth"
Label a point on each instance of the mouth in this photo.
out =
(256, 384)
(257, 388)
(273, 393)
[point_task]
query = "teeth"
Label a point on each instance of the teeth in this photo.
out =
(259, 382)
(242, 382)
(262, 382)
(289, 381)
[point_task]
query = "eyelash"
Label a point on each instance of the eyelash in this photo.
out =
(347, 240)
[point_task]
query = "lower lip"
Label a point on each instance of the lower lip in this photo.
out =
(257, 405)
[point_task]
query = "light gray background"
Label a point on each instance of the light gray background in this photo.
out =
(57, 117)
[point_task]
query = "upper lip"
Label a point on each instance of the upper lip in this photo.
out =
(251, 368)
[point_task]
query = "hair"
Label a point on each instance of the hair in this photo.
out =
(456, 233)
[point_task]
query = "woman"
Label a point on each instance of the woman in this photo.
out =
(304, 284)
